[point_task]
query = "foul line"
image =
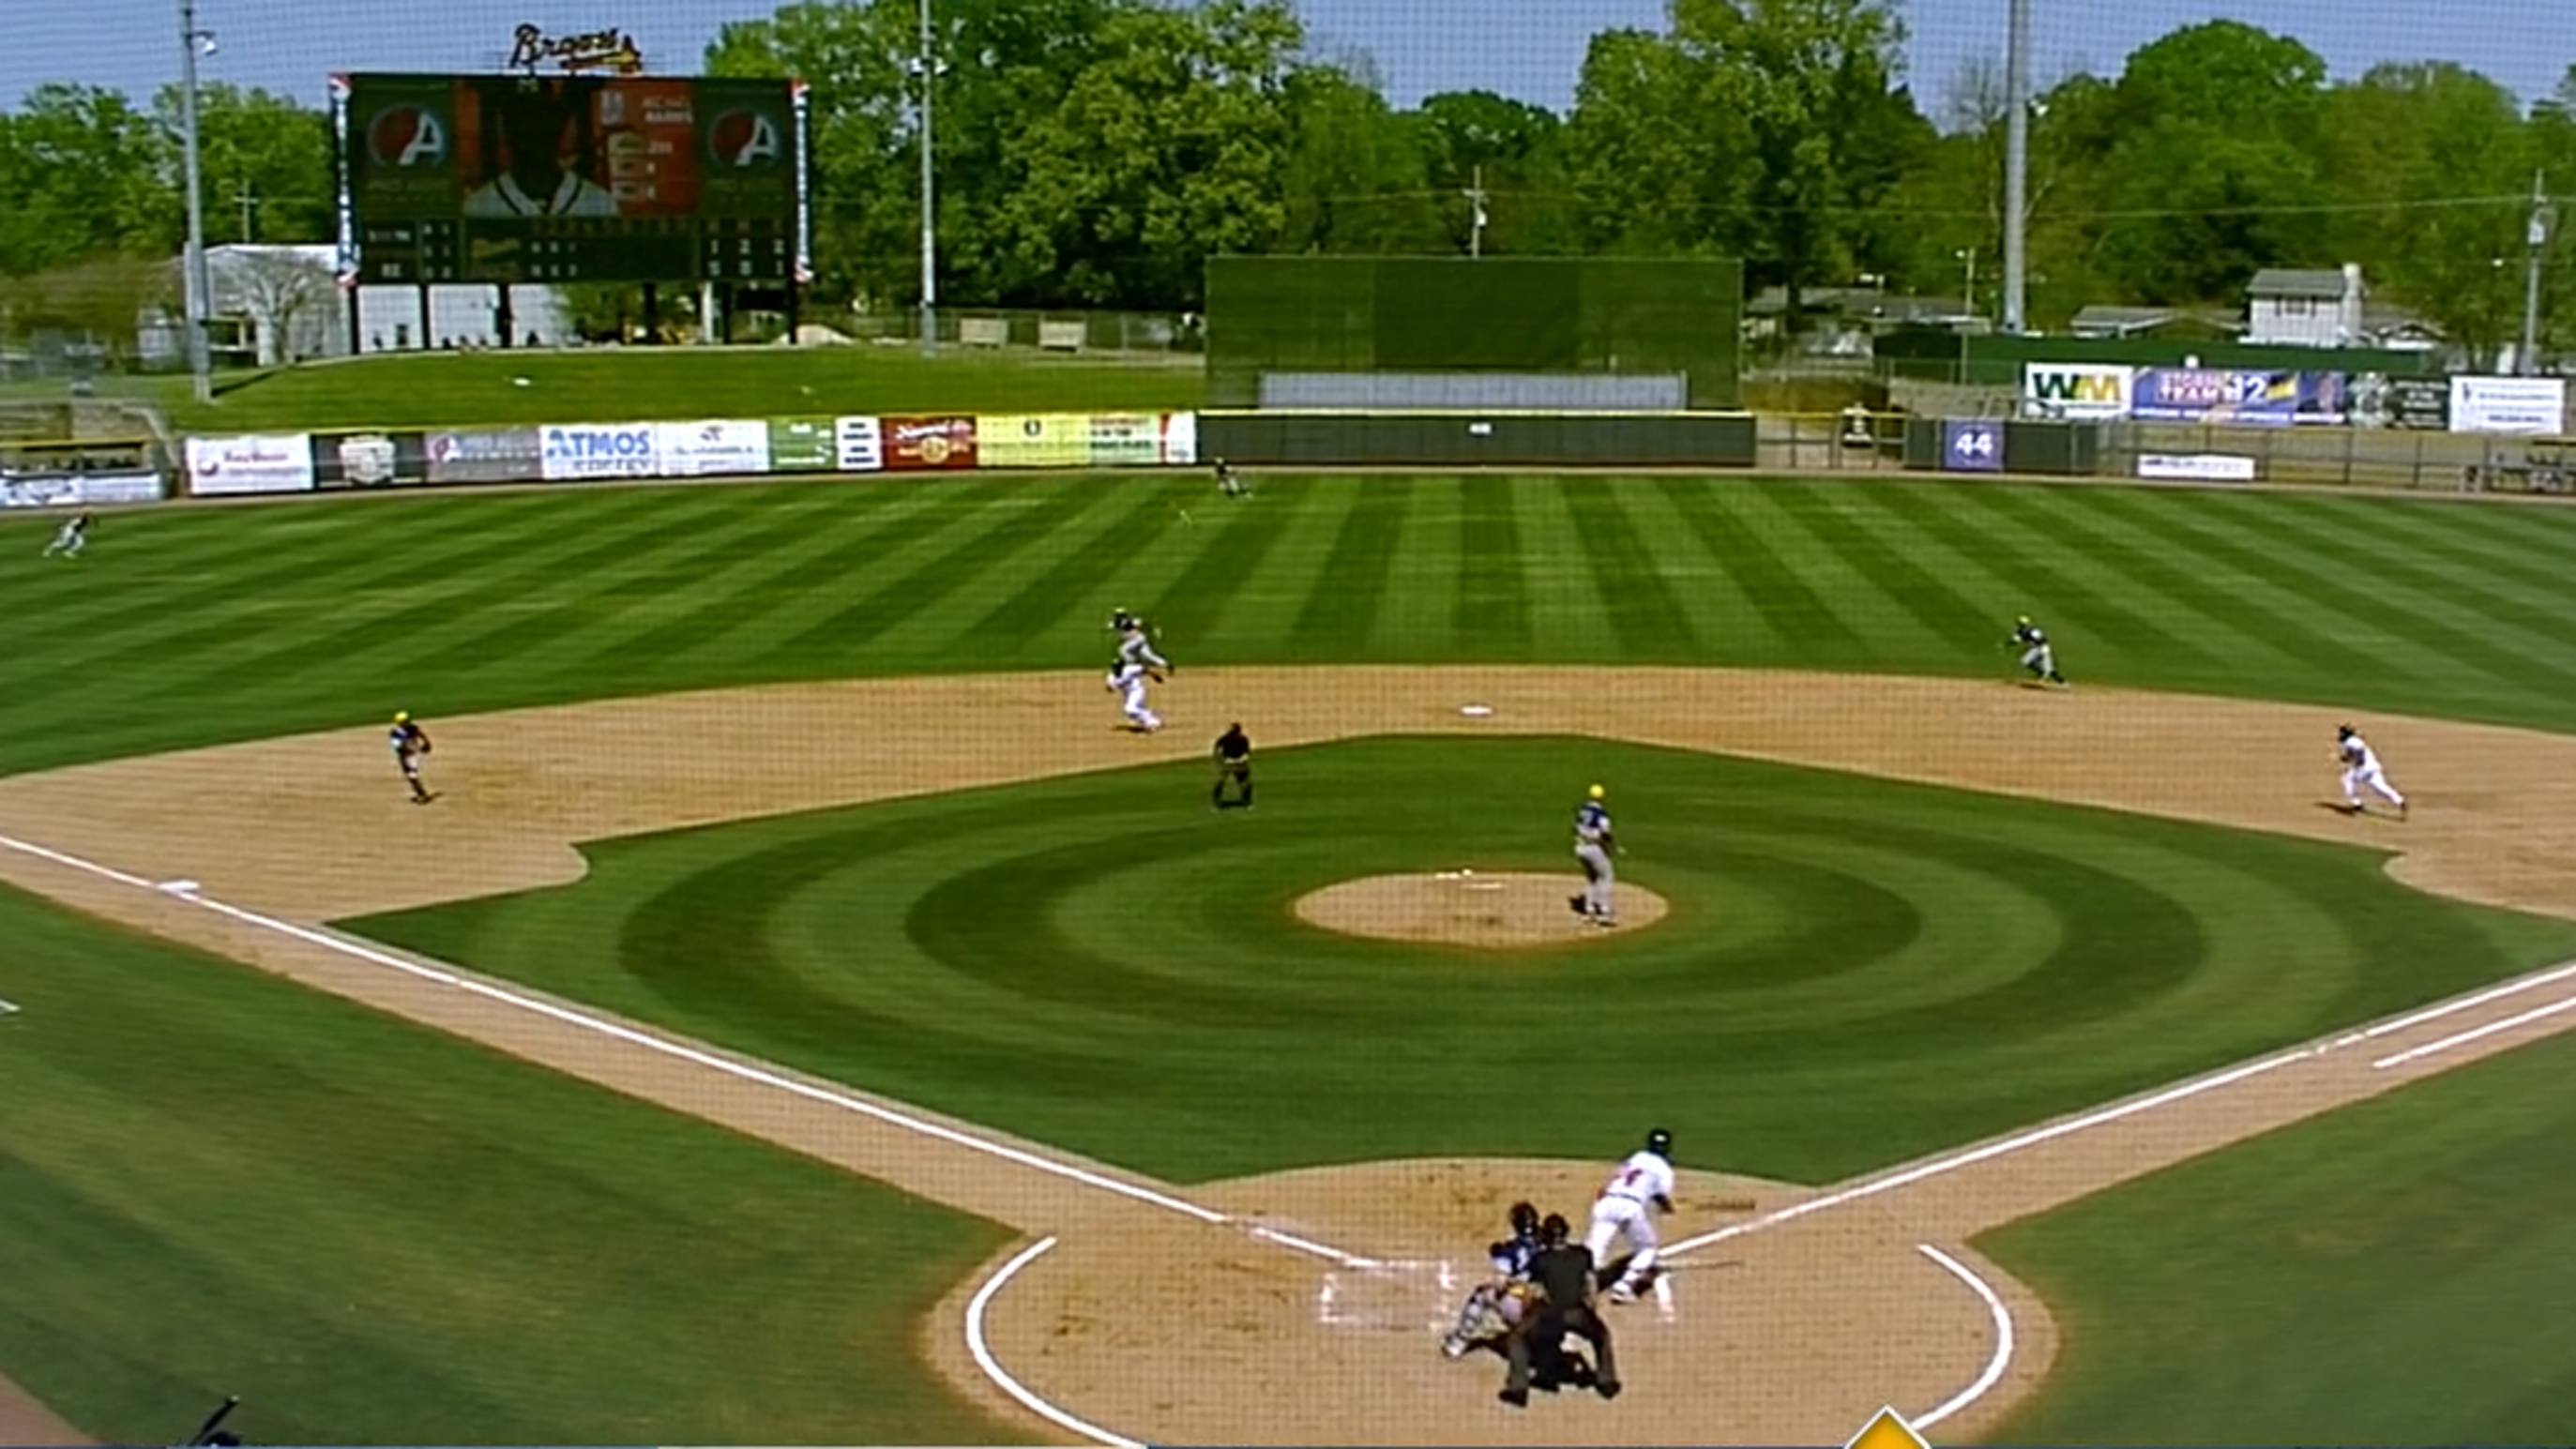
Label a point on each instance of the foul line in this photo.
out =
(1995, 1366)
(2475, 1033)
(345, 946)
(2038, 1136)
(992, 1367)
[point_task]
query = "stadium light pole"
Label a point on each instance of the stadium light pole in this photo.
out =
(200, 299)
(2535, 240)
(925, 70)
(2016, 166)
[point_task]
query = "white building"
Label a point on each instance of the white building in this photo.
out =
(2295, 308)
(274, 305)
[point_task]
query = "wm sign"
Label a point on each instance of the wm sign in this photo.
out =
(2077, 389)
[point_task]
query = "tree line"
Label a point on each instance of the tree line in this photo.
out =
(1093, 153)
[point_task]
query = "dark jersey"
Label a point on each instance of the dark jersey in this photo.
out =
(1564, 1274)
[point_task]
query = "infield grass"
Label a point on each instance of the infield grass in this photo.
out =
(215, 1183)
(1857, 972)
(2387, 1274)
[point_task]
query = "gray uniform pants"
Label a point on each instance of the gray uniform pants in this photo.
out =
(1599, 880)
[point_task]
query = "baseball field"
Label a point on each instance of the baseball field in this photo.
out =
(806, 1015)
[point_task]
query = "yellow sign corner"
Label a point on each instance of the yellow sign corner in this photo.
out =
(1887, 1430)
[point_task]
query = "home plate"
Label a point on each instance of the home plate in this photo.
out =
(1475, 711)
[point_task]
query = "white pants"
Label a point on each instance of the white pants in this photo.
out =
(1145, 719)
(1613, 1216)
(1600, 881)
(2039, 659)
(2373, 780)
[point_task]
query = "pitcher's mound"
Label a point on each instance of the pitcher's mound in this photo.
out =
(1503, 911)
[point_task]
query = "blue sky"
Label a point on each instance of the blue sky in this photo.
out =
(1525, 48)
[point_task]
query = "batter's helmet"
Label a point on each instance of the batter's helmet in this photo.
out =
(1659, 1142)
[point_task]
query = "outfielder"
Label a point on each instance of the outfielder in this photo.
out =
(1506, 1296)
(1642, 1187)
(2361, 772)
(1228, 482)
(71, 538)
(2036, 656)
(411, 746)
(1136, 663)
(1593, 844)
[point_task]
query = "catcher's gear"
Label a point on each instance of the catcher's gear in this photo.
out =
(1524, 1218)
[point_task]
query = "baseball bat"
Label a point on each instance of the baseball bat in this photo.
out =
(205, 1431)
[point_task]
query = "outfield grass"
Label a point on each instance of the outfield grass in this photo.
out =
(192, 626)
(2389, 1274)
(485, 389)
(1858, 972)
(215, 1183)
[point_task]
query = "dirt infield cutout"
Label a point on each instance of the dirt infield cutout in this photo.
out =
(1788, 1324)
(1479, 910)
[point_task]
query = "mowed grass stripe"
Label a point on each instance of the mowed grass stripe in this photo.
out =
(2455, 534)
(975, 543)
(1037, 621)
(1569, 619)
(2182, 581)
(1422, 577)
(1341, 609)
(1836, 560)
(1489, 600)
(1102, 508)
(1964, 588)
(1793, 613)
(1204, 603)
(1261, 619)
(1722, 619)
(2252, 541)
(2467, 594)
(1643, 611)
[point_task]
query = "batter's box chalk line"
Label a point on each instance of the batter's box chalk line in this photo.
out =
(1404, 1295)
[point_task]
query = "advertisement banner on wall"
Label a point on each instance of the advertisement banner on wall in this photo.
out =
(2417, 404)
(1126, 440)
(2196, 467)
(913, 444)
(369, 460)
(858, 445)
(801, 445)
(2527, 405)
(266, 463)
(1032, 440)
(2236, 397)
(509, 455)
(573, 451)
(1181, 439)
(1972, 445)
(78, 490)
(712, 448)
(2077, 389)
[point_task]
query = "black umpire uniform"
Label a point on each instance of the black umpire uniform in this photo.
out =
(1233, 767)
(1564, 1274)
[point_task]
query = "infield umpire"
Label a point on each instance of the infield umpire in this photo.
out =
(1233, 755)
(1564, 1274)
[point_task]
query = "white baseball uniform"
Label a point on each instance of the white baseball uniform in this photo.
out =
(1129, 679)
(1627, 1205)
(2361, 772)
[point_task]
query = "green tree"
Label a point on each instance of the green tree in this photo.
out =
(265, 163)
(1169, 148)
(1353, 178)
(83, 172)
(1517, 148)
(1655, 164)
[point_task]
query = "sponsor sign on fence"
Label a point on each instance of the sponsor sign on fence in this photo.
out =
(2420, 404)
(267, 463)
(2235, 396)
(601, 450)
(509, 455)
(2529, 405)
(1972, 445)
(912, 444)
(712, 448)
(77, 490)
(859, 444)
(369, 460)
(2077, 389)
(801, 445)
(1181, 439)
(2197, 467)
(1126, 440)
(1033, 440)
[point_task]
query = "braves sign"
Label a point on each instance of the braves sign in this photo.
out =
(608, 50)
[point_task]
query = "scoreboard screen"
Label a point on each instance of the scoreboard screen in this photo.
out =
(571, 179)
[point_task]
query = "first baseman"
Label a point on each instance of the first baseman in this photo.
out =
(2361, 772)
(1593, 844)
(411, 746)
(1641, 1187)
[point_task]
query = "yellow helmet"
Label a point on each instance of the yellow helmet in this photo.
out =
(402, 716)
(1598, 792)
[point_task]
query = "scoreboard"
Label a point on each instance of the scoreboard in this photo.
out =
(571, 179)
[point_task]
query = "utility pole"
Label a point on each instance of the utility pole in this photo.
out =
(2535, 239)
(925, 69)
(1969, 255)
(2017, 167)
(249, 199)
(200, 295)
(1476, 219)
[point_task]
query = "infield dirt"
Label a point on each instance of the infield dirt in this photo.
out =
(1198, 1320)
